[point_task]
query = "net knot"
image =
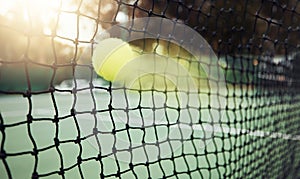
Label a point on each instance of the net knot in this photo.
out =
(35, 175)
(73, 112)
(95, 131)
(55, 119)
(61, 171)
(34, 152)
(77, 140)
(29, 118)
(79, 160)
(27, 94)
(2, 127)
(56, 142)
(2, 154)
(99, 157)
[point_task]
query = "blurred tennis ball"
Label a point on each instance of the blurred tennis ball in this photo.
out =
(177, 53)
(110, 56)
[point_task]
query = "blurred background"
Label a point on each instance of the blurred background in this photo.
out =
(42, 42)
(52, 103)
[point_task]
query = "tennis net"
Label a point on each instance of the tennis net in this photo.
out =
(60, 119)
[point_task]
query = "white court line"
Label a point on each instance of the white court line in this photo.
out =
(216, 128)
(236, 131)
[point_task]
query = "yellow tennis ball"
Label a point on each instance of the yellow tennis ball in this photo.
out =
(184, 58)
(110, 56)
(113, 56)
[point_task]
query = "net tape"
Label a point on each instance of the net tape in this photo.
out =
(257, 44)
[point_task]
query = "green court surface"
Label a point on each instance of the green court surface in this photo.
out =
(251, 137)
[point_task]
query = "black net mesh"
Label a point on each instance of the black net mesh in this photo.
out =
(58, 118)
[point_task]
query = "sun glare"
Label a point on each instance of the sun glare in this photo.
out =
(5, 6)
(49, 17)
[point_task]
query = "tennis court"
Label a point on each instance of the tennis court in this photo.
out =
(230, 145)
(149, 89)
